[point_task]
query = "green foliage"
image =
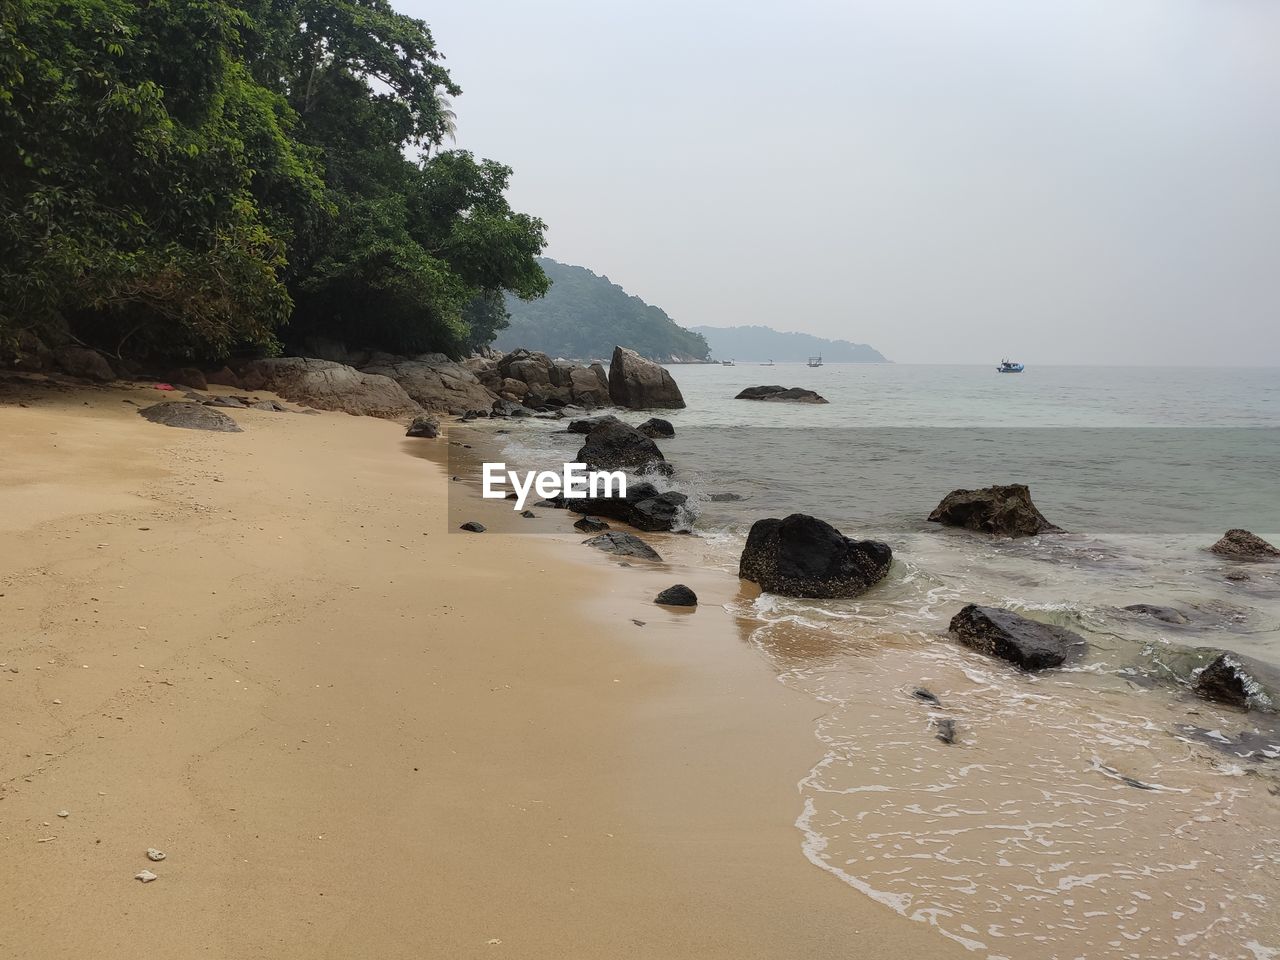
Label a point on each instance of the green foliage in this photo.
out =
(175, 174)
(585, 316)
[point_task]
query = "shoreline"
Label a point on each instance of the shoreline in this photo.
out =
(256, 638)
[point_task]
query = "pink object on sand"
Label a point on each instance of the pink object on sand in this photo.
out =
(165, 386)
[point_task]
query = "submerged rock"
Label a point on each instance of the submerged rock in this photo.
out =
(1163, 614)
(587, 424)
(1242, 545)
(656, 427)
(643, 507)
(945, 729)
(1239, 682)
(641, 384)
(623, 544)
(677, 596)
(1001, 633)
(920, 693)
(1003, 510)
(779, 394)
(801, 556)
(189, 416)
(725, 497)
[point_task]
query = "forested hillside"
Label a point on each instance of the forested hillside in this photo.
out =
(186, 177)
(765, 343)
(585, 315)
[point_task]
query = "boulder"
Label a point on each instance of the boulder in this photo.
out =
(640, 384)
(725, 497)
(623, 544)
(435, 382)
(677, 596)
(781, 395)
(189, 416)
(1025, 643)
(472, 526)
(590, 525)
(587, 424)
(801, 556)
(1242, 545)
(590, 385)
(85, 363)
(424, 426)
(655, 427)
(188, 377)
(26, 351)
(1239, 681)
(327, 385)
(1002, 510)
(1156, 612)
(616, 446)
(224, 377)
(643, 507)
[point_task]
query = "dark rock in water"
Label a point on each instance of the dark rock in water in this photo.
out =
(623, 544)
(1239, 682)
(677, 596)
(781, 394)
(424, 426)
(920, 693)
(189, 416)
(587, 424)
(617, 446)
(801, 556)
(641, 384)
(1002, 510)
(528, 514)
(1028, 644)
(725, 497)
(505, 408)
(656, 427)
(643, 507)
(945, 729)
(1246, 745)
(657, 513)
(472, 526)
(1164, 614)
(590, 525)
(638, 623)
(1242, 545)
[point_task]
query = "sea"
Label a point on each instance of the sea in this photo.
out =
(1096, 811)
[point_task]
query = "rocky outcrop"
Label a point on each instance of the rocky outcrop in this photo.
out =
(623, 544)
(587, 424)
(657, 428)
(1002, 510)
(640, 384)
(1240, 682)
(224, 377)
(614, 445)
(327, 385)
(802, 556)
(1242, 545)
(677, 596)
(85, 363)
(536, 380)
(643, 507)
(436, 383)
(781, 395)
(424, 426)
(1025, 643)
(188, 377)
(189, 416)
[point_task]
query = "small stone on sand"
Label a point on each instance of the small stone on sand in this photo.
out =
(146, 876)
(154, 855)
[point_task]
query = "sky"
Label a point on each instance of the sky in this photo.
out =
(1060, 181)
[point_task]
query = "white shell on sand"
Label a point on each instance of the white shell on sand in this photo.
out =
(64, 813)
(154, 855)
(146, 876)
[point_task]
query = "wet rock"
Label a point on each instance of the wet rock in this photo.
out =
(802, 556)
(677, 596)
(189, 416)
(558, 503)
(781, 395)
(425, 426)
(640, 384)
(1025, 643)
(725, 497)
(1239, 681)
(1163, 614)
(505, 408)
(643, 507)
(618, 446)
(528, 514)
(945, 729)
(472, 526)
(587, 424)
(920, 693)
(623, 545)
(1002, 510)
(655, 428)
(83, 362)
(590, 525)
(1242, 545)
(327, 385)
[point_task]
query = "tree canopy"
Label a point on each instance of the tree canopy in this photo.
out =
(197, 177)
(585, 315)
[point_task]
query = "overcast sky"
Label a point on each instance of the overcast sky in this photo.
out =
(1062, 181)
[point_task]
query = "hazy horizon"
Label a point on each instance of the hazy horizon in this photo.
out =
(1063, 183)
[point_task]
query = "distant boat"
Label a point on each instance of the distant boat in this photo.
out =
(726, 363)
(1008, 366)
(769, 364)
(815, 361)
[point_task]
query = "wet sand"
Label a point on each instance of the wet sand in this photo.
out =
(357, 734)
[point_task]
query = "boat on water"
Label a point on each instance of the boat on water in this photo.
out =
(768, 364)
(815, 361)
(726, 363)
(1009, 366)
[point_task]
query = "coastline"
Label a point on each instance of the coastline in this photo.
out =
(355, 733)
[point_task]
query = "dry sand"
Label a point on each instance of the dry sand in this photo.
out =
(357, 734)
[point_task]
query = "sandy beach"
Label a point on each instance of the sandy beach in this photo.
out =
(354, 733)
